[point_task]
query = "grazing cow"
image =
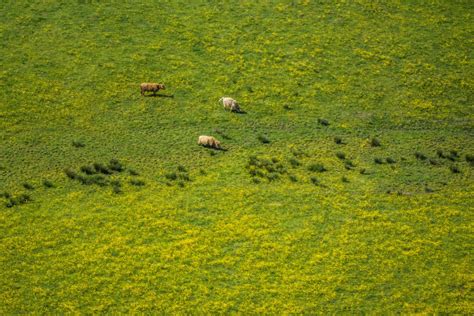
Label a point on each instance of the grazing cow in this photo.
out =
(209, 141)
(154, 87)
(230, 104)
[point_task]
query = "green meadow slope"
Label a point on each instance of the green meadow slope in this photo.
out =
(345, 187)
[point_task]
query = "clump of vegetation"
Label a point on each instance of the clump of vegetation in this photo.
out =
(470, 159)
(341, 155)
(390, 160)
(179, 177)
(349, 165)
(440, 153)
(263, 139)
(298, 153)
(48, 184)
(96, 179)
(100, 168)
(455, 169)
(28, 186)
(315, 181)
(71, 174)
(133, 172)
(345, 179)
(292, 178)
(287, 107)
(338, 140)
(89, 170)
(428, 189)
(317, 167)
(420, 156)
(433, 162)
(115, 165)
(323, 122)
(363, 171)
(137, 182)
(374, 142)
(378, 161)
(78, 144)
(294, 162)
(271, 169)
(17, 200)
(222, 134)
(116, 187)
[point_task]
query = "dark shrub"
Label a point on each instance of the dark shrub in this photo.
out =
(363, 171)
(28, 186)
(6, 195)
(256, 180)
(378, 161)
(275, 159)
(273, 176)
(420, 156)
(263, 139)
(133, 172)
(294, 162)
(184, 177)
(440, 153)
(137, 183)
(181, 168)
(48, 184)
(455, 169)
(22, 198)
(117, 189)
(115, 165)
(341, 155)
(374, 142)
(101, 168)
(323, 122)
(287, 107)
(454, 153)
(78, 144)
(171, 176)
(428, 190)
(433, 162)
(202, 172)
(345, 179)
(317, 167)
(293, 178)
(390, 160)
(88, 170)
(71, 174)
(470, 159)
(338, 140)
(315, 181)
(181, 184)
(349, 165)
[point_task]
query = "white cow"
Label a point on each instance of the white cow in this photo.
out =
(230, 104)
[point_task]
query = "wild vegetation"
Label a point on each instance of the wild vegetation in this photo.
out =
(345, 187)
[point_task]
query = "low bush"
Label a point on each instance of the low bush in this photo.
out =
(390, 160)
(292, 178)
(294, 162)
(137, 182)
(420, 156)
(315, 181)
(440, 153)
(323, 122)
(341, 155)
(71, 174)
(78, 144)
(374, 142)
(345, 179)
(317, 167)
(48, 184)
(338, 140)
(433, 162)
(115, 165)
(133, 172)
(470, 159)
(182, 168)
(89, 170)
(455, 169)
(263, 139)
(102, 168)
(349, 165)
(378, 161)
(171, 176)
(28, 186)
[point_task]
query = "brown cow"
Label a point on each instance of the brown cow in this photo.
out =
(154, 87)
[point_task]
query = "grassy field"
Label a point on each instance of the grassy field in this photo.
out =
(346, 187)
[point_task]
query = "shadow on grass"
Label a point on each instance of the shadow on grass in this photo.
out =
(159, 95)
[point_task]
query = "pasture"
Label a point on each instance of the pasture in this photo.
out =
(345, 187)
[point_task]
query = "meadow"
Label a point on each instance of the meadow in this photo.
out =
(346, 187)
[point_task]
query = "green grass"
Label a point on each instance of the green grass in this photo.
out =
(165, 225)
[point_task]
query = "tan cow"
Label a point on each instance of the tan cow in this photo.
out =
(230, 104)
(209, 141)
(154, 87)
